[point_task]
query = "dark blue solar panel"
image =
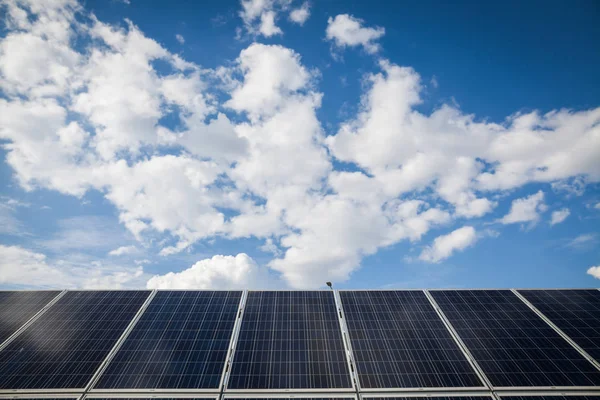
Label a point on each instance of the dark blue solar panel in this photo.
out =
(575, 312)
(399, 341)
(65, 345)
(180, 342)
(17, 307)
(290, 340)
(513, 346)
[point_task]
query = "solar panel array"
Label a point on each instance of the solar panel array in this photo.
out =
(446, 344)
(290, 340)
(16, 308)
(398, 340)
(65, 346)
(512, 345)
(575, 312)
(180, 342)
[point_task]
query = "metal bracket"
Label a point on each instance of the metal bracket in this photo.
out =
(232, 345)
(347, 343)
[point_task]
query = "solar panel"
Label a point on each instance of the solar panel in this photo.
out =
(575, 312)
(399, 341)
(17, 307)
(290, 340)
(513, 346)
(65, 345)
(180, 342)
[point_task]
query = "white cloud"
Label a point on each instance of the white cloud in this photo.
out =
(180, 38)
(123, 250)
(218, 272)
(597, 206)
(25, 268)
(259, 16)
(95, 122)
(594, 271)
(346, 30)
(444, 246)
(526, 209)
(583, 241)
(559, 216)
(267, 24)
(300, 15)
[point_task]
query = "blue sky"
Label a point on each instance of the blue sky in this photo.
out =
(286, 143)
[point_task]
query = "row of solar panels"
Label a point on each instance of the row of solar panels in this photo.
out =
(481, 396)
(259, 341)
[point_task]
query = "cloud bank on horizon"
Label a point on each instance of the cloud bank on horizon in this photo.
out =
(86, 108)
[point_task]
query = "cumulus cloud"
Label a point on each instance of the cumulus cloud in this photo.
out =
(22, 267)
(346, 30)
(301, 14)
(218, 272)
(559, 216)
(594, 271)
(259, 16)
(249, 156)
(526, 209)
(180, 38)
(444, 246)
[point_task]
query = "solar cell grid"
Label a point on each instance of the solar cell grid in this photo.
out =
(511, 344)
(399, 341)
(17, 307)
(180, 342)
(290, 340)
(65, 345)
(575, 312)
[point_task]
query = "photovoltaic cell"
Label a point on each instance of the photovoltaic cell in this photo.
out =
(17, 307)
(399, 341)
(290, 340)
(65, 345)
(513, 346)
(180, 342)
(575, 312)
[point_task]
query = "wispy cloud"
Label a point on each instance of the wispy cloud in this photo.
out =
(582, 241)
